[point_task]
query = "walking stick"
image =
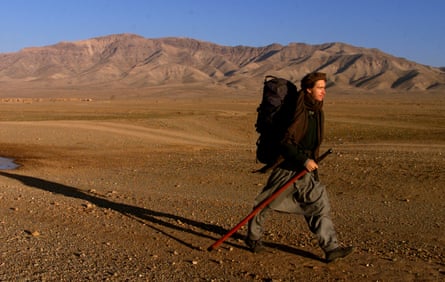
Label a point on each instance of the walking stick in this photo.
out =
(264, 203)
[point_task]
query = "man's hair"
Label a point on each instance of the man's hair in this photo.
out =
(310, 79)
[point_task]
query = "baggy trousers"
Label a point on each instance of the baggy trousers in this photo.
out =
(307, 197)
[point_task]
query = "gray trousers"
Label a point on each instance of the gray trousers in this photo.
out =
(306, 196)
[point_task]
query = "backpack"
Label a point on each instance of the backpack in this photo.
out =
(275, 114)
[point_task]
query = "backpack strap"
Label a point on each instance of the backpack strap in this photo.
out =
(269, 167)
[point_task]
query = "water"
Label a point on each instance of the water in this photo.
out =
(6, 163)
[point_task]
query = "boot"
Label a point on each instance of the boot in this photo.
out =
(338, 253)
(255, 246)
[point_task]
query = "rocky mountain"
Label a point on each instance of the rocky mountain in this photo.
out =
(131, 61)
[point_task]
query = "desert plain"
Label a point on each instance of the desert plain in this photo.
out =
(137, 187)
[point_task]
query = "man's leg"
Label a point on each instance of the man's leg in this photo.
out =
(255, 226)
(319, 220)
(315, 203)
(255, 231)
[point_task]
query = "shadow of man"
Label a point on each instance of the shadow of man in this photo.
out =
(143, 215)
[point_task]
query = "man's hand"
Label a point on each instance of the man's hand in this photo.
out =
(311, 165)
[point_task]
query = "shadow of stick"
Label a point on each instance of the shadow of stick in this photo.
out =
(143, 215)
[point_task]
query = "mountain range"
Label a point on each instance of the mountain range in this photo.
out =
(129, 61)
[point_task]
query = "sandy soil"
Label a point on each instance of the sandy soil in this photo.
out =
(138, 190)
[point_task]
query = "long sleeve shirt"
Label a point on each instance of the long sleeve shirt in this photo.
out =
(297, 155)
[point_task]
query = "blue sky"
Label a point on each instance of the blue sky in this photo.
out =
(411, 29)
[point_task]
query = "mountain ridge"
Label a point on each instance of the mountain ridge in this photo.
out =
(132, 61)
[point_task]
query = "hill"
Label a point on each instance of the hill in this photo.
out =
(128, 61)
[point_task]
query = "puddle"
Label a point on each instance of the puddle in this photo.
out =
(6, 163)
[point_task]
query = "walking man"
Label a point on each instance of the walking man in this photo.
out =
(308, 197)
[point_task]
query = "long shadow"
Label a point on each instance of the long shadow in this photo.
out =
(143, 215)
(294, 251)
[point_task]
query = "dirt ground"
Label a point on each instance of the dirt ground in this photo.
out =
(137, 190)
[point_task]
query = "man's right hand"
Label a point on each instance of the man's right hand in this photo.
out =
(311, 165)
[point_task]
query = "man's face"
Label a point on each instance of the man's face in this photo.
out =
(318, 91)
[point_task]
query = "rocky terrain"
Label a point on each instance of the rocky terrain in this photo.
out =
(138, 189)
(135, 155)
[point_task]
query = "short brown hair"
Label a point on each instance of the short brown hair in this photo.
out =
(310, 79)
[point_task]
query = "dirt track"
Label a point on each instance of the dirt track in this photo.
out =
(139, 191)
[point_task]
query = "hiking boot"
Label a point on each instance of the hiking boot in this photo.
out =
(255, 246)
(337, 253)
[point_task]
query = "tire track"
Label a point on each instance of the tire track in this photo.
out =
(164, 136)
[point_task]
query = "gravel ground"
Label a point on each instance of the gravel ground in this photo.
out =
(142, 200)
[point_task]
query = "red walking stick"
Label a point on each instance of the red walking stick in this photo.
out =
(263, 204)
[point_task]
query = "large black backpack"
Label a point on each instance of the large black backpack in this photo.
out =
(275, 114)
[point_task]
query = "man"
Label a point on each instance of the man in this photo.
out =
(299, 149)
